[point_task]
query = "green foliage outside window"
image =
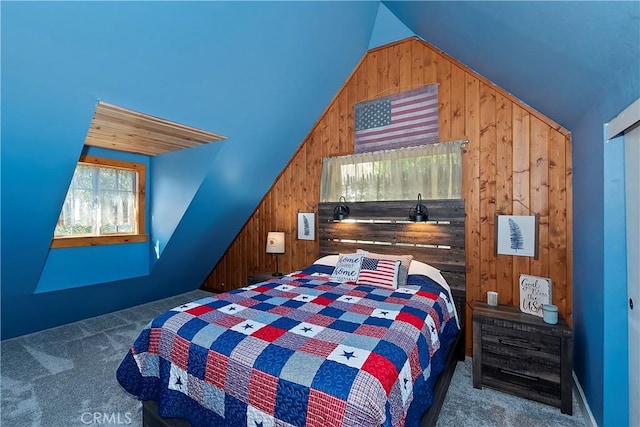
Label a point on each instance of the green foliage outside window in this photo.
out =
(100, 201)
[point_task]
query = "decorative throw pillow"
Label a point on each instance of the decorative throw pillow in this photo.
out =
(405, 262)
(347, 268)
(379, 272)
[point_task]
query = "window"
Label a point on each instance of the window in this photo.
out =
(104, 205)
(433, 170)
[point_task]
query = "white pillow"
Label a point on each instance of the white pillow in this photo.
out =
(331, 260)
(347, 268)
(417, 267)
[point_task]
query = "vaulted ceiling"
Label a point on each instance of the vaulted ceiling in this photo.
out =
(260, 73)
(557, 56)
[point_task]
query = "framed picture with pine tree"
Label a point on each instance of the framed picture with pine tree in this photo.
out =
(517, 235)
(306, 226)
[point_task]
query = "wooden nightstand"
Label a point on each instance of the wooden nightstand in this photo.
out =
(520, 354)
(254, 278)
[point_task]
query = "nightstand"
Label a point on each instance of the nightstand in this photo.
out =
(254, 278)
(520, 354)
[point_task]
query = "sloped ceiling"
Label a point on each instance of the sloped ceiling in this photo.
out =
(261, 74)
(556, 56)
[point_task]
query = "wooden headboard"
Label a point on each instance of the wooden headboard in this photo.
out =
(384, 227)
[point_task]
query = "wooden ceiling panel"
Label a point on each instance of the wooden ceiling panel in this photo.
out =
(117, 128)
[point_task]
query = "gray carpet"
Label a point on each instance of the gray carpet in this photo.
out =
(467, 406)
(65, 376)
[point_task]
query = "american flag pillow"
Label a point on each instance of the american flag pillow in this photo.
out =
(379, 272)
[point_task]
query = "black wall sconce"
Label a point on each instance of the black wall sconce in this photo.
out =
(341, 211)
(419, 213)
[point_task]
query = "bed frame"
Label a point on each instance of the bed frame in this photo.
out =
(384, 227)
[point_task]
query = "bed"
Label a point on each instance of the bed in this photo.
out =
(312, 347)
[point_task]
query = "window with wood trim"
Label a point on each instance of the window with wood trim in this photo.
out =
(104, 205)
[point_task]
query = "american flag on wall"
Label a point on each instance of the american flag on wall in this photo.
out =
(406, 119)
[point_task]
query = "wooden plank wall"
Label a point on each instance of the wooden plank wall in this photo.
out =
(517, 161)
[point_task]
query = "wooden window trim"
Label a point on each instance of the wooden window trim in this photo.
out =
(68, 242)
(111, 239)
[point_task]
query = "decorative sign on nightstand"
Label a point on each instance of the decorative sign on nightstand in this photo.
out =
(534, 292)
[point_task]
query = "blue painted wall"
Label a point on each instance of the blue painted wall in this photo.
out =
(176, 177)
(388, 28)
(259, 73)
(599, 291)
(83, 266)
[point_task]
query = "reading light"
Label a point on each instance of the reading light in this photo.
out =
(420, 212)
(342, 210)
(275, 245)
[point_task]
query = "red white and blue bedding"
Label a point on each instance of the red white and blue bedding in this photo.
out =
(294, 351)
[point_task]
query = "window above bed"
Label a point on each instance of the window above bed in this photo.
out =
(433, 170)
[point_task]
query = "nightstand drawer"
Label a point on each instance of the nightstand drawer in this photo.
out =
(528, 367)
(528, 349)
(532, 387)
(518, 335)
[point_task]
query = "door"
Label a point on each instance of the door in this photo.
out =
(632, 188)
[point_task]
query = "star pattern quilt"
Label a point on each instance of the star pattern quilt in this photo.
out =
(298, 350)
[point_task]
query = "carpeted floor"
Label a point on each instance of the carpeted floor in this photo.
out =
(65, 377)
(467, 406)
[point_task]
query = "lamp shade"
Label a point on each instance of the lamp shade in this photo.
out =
(275, 242)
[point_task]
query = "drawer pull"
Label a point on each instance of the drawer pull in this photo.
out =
(518, 344)
(518, 374)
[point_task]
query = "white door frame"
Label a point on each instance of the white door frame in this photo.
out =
(632, 190)
(624, 120)
(627, 123)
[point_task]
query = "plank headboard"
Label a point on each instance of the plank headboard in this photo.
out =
(384, 227)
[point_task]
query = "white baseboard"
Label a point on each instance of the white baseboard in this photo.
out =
(584, 405)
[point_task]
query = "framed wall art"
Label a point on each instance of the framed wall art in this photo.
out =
(306, 226)
(517, 235)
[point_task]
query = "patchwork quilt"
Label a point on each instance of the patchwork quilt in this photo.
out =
(297, 350)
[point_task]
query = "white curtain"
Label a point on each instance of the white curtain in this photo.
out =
(433, 170)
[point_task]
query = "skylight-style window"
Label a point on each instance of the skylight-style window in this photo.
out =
(104, 205)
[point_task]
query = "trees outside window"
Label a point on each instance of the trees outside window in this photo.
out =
(104, 204)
